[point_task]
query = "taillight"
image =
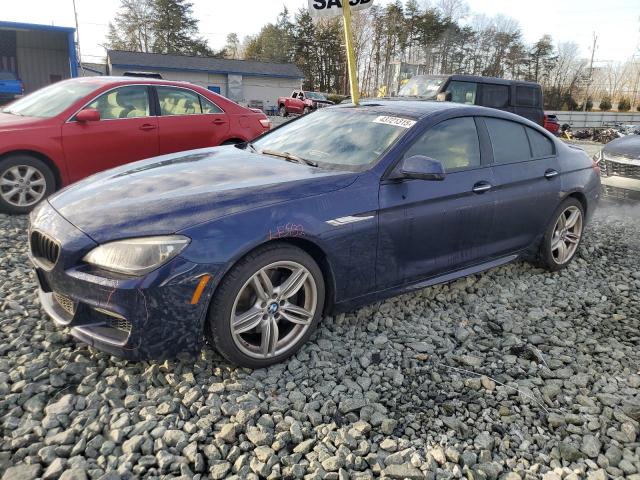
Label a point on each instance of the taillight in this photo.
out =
(266, 123)
(595, 162)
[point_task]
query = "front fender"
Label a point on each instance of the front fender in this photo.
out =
(349, 246)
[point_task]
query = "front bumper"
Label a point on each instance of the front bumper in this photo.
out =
(621, 188)
(149, 317)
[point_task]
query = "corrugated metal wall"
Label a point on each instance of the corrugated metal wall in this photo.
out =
(43, 58)
(595, 119)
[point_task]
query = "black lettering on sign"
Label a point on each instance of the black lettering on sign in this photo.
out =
(333, 3)
(353, 3)
(319, 4)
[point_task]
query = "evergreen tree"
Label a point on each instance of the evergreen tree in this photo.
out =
(132, 29)
(176, 29)
(232, 47)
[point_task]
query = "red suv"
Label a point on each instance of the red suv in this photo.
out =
(78, 127)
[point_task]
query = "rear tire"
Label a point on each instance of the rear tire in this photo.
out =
(256, 318)
(563, 236)
(283, 111)
(306, 110)
(24, 182)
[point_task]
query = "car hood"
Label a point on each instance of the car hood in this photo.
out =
(170, 193)
(15, 122)
(628, 146)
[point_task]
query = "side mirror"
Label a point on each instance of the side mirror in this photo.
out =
(421, 167)
(444, 97)
(88, 115)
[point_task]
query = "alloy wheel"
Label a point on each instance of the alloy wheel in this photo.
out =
(566, 235)
(274, 309)
(22, 185)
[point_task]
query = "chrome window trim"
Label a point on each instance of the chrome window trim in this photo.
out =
(71, 118)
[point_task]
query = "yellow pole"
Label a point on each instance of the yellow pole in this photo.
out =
(351, 57)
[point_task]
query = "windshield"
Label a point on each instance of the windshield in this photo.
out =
(421, 86)
(341, 138)
(315, 95)
(4, 75)
(52, 100)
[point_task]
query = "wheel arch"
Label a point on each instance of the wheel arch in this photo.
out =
(311, 248)
(581, 197)
(40, 156)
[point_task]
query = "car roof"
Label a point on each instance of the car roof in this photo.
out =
(419, 109)
(109, 80)
(414, 109)
(480, 79)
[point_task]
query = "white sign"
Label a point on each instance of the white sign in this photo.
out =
(395, 121)
(333, 8)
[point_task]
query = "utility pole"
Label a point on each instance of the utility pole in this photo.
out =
(75, 14)
(586, 92)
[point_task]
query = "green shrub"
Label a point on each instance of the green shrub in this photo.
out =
(605, 104)
(624, 105)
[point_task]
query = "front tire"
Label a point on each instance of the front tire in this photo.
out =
(267, 306)
(24, 182)
(563, 236)
(306, 110)
(283, 111)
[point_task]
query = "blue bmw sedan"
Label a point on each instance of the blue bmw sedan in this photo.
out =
(250, 245)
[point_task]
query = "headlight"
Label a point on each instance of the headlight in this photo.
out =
(136, 256)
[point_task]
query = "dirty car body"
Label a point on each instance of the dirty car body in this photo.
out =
(373, 233)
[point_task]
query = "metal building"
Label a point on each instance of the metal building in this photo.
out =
(38, 54)
(251, 83)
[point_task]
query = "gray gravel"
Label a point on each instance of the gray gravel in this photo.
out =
(512, 374)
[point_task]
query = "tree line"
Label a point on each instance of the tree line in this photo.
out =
(392, 41)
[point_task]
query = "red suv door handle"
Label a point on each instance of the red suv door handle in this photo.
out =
(218, 121)
(147, 126)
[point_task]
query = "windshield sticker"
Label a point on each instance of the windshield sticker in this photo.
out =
(395, 121)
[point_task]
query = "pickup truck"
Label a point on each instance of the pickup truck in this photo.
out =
(10, 87)
(302, 102)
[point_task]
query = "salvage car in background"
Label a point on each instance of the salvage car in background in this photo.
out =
(619, 162)
(75, 128)
(302, 102)
(551, 123)
(251, 244)
(515, 96)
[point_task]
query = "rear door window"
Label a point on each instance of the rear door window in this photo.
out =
(453, 142)
(541, 146)
(527, 96)
(508, 140)
(495, 96)
(209, 107)
(178, 101)
(463, 92)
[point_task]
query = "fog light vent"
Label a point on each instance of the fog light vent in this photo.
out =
(66, 303)
(120, 324)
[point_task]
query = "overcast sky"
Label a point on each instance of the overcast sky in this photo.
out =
(616, 22)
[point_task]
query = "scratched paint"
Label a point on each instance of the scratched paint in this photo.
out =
(288, 230)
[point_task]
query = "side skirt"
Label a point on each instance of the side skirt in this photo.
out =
(354, 303)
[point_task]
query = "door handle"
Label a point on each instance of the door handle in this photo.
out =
(481, 187)
(219, 122)
(147, 126)
(549, 174)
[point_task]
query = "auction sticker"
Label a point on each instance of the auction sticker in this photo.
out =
(395, 121)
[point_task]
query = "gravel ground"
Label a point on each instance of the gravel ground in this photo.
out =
(512, 374)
